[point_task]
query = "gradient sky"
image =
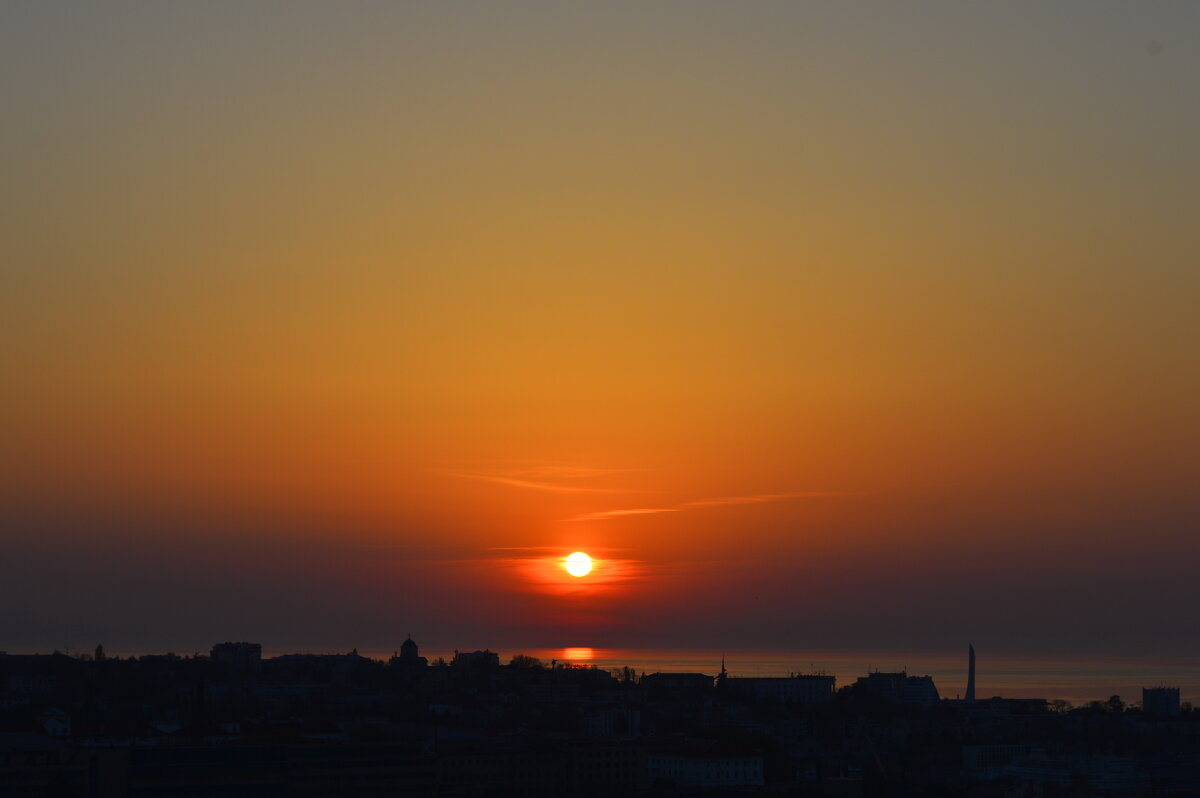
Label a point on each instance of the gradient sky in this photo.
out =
(821, 325)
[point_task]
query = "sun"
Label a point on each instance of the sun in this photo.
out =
(578, 564)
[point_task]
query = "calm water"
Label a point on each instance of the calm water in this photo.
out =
(1077, 680)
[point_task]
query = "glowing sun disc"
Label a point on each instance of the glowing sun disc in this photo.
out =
(578, 564)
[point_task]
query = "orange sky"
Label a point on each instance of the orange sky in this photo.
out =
(391, 302)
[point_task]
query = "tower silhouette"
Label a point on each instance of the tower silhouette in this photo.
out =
(970, 673)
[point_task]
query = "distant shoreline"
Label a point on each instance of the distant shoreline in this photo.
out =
(1078, 678)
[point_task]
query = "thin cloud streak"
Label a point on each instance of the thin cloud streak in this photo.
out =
(756, 498)
(529, 484)
(617, 513)
(550, 471)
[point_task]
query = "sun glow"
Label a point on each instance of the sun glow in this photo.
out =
(578, 564)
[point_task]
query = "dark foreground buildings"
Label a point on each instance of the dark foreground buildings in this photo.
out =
(236, 724)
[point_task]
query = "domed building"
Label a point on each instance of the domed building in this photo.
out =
(410, 656)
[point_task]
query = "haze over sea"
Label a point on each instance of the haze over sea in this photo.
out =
(1078, 679)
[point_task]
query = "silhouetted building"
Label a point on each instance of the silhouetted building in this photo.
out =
(898, 688)
(611, 722)
(1162, 701)
(703, 764)
(476, 659)
(410, 658)
(678, 682)
(988, 760)
(490, 767)
(607, 768)
(241, 657)
(800, 689)
(341, 669)
(352, 726)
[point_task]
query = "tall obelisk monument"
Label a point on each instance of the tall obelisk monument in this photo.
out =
(971, 673)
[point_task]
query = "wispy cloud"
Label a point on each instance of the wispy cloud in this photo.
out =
(617, 513)
(520, 481)
(756, 498)
(559, 471)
